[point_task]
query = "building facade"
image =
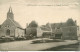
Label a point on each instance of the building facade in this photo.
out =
(67, 30)
(9, 26)
(19, 33)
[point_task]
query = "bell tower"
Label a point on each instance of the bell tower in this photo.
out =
(10, 14)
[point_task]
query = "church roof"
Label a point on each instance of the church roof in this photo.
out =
(16, 23)
(13, 22)
(10, 19)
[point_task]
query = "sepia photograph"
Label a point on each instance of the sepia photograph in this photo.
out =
(39, 25)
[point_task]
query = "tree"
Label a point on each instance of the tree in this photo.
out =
(33, 28)
(33, 24)
(70, 22)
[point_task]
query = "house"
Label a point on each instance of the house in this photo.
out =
(78, 32)
(66, 30)
(19, 33)
(39, 32)
(44, 32)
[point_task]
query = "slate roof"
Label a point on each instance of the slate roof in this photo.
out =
(45, 29)
(57, 25)
(14, 22)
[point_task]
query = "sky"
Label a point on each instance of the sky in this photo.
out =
(42, 11)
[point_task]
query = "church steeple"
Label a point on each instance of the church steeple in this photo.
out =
(10, 14)
(10, 9)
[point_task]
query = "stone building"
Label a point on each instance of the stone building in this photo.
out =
(9, 26)
(39, 32)
(46, 32)
(66, 30)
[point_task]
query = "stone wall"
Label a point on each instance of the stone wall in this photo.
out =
(69, 33)
(19, 33)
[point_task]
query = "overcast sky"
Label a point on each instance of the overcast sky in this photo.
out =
(42, 11)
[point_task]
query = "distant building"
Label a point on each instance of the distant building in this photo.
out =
(9, 26)
(67, 30)
(78, 32)
(39, 32)
(46, 31)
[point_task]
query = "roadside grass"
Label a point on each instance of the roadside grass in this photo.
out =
(71, 47)
(46, 41)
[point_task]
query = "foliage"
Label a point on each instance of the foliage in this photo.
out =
(70, 22)
(33, 24)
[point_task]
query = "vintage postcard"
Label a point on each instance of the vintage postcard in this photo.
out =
(39, 25)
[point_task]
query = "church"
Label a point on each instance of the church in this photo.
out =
(10, 28)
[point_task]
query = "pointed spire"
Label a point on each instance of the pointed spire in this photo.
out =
(10, 14)
(10, 9)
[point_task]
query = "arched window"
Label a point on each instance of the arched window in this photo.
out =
(8, 32)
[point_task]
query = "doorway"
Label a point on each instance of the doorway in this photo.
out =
(58, 36)
(7, 32)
